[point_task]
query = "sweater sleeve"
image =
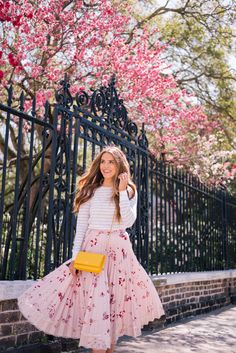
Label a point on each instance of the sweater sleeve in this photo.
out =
(81, 227)
(128, 208)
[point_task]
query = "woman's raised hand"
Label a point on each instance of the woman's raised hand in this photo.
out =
(123, 177)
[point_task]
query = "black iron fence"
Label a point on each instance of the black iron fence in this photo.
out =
(181, 225)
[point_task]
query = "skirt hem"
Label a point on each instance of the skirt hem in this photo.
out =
(47, 332)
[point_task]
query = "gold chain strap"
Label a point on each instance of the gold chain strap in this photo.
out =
(109, 233)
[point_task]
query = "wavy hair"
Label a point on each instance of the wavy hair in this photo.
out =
(93, 178)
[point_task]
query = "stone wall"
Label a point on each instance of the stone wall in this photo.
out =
(14, 329)
(183, 295)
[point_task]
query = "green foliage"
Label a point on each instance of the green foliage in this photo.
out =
(201, 38)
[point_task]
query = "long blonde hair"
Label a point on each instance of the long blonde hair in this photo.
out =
(93, 178)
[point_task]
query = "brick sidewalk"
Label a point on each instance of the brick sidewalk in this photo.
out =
(208, 333)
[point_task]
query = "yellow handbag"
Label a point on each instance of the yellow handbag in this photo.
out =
(91, 262)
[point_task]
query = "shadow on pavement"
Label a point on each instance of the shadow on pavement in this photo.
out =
(214, 332)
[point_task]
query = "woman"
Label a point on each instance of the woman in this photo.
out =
(98, 308)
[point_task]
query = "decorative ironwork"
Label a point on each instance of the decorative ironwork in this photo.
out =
(104, 104)
(63, 95)
(82, 99)
(181, 224)
(142, 139)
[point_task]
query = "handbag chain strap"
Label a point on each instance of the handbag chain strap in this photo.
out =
(109, 233)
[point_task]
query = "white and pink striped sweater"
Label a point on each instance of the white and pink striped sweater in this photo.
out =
(97, 213)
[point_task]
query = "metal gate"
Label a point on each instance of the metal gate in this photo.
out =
(181, 225)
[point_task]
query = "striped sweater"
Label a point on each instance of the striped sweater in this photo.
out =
(97, 213)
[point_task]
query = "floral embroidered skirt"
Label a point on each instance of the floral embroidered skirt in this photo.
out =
(96, 308)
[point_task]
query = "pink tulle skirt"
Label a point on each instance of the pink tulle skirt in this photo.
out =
(96, 308)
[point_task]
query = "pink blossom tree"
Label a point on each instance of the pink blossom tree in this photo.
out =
(40, 41)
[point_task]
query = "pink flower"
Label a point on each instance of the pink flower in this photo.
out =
(105, 316)
(16, 22)
(61, 296)
(29, 15)
(12, 61)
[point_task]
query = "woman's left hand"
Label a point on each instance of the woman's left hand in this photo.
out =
(123, 177)
(72, 269)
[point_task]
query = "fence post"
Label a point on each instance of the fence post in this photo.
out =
(224, 230)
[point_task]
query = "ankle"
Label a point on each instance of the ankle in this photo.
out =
(111, 350)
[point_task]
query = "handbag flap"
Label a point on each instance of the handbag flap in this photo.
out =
(85, 258)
